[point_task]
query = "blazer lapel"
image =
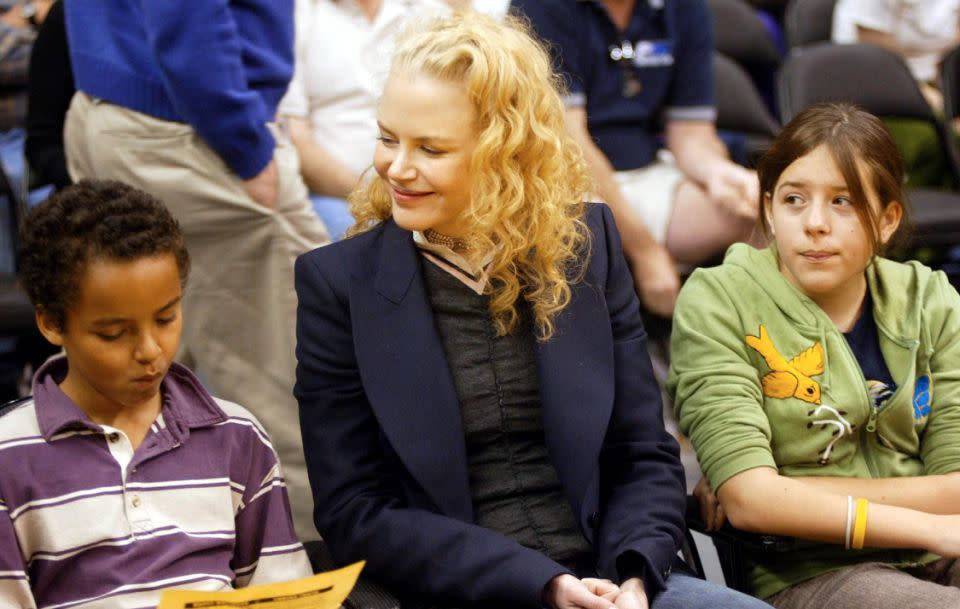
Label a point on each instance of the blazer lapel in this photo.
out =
(576, 388)
(407, 378)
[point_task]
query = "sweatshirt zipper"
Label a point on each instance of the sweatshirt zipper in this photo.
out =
(871, 426)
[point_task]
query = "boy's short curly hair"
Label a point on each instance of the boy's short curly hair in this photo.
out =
(93, 219)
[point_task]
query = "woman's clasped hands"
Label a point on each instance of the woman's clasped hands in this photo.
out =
(568, 592)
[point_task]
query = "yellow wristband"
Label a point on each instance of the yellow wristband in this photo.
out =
(860, 524)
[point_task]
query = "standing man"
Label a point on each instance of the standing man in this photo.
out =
(634, 68)
(177, 98)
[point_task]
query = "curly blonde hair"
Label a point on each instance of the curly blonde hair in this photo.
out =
(528, 177)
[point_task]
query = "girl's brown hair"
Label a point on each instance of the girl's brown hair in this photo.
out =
(855, 138)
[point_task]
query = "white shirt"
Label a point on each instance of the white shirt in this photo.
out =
(924, 29)
(342, 61)
(496, 8)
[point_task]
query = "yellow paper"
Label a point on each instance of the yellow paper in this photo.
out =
(321, 591)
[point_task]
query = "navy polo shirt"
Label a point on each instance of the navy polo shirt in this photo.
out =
(671, 43)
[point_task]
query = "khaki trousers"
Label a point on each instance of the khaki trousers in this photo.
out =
(239, 305)
(877, 586)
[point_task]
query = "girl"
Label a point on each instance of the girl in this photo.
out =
(480, 419)
(818, 381)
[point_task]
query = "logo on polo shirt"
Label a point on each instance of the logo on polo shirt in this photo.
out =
(653, 53)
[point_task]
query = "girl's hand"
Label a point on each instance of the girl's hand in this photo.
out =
(632, 595)
(567, 592)
(710, 509)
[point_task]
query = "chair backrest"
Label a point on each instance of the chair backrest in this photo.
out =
(870, 76)
(739, 105)
(808, 21)
(741, 110)
(950, 81)
(16, 312)
(741, 35)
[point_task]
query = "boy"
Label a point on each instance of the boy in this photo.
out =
(122, 476)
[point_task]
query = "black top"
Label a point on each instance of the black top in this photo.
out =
(514, 486)
(865, 344)
(50, 89)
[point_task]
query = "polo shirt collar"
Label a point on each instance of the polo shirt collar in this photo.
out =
(186, 404)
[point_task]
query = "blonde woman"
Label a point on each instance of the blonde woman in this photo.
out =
(479, 415)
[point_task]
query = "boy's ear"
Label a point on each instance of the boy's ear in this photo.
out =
(767, 217)
(889, 220)
(50, 330)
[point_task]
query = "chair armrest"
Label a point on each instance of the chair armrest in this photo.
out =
(366, 594)
(751, 542)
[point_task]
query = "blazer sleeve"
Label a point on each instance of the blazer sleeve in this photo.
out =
(643, 490)
(360, 507)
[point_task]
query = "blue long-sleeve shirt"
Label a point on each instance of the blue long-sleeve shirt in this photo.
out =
(219, 65)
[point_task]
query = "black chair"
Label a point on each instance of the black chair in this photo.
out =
(16, 313)
(740, 34)
(23, 347)
(366, 594)
(808, 22)
(740, 109)
(950, 83)
(878, 81)
(736, 550)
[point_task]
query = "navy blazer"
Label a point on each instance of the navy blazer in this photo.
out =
(385, 445)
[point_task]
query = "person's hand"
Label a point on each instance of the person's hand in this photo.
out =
(14, 16)
(710, 509)
(263, 187)
(603, 588)
(632, 595)
(43, 7)
(567, 592)
(735, 189)
(656, 278)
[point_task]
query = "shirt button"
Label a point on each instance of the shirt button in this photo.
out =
(135, 501)
(113, 437)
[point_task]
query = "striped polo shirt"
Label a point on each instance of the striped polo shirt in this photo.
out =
(86, 521)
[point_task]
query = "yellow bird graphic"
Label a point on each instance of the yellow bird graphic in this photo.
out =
(789, 379)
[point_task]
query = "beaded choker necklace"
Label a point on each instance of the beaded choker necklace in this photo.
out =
(457, 245)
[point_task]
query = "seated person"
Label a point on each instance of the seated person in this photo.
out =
(122, 476)
(632, 66)
(480, 419)
(921, 32)
(342, 50)
(818, 381)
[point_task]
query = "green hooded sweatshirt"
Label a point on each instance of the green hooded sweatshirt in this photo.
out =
(761, 377)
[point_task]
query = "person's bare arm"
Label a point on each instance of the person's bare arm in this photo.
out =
(653, 269)
(762, 501)
(936, 494)
(702, 157)
(931, 93)
(323, 173)
(932, 494)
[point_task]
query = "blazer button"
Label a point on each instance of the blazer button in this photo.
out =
(593, 520)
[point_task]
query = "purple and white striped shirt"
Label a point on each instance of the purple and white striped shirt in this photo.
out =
(87, 522)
